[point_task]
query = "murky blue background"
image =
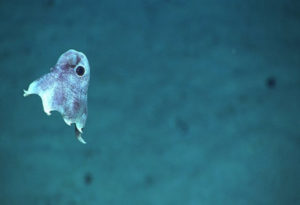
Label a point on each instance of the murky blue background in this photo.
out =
(190, 102)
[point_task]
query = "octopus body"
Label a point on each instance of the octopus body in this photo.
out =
(64, 89)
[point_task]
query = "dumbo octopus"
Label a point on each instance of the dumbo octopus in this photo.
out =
(64, 89)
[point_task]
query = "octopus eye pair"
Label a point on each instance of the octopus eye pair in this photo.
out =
(80, 71)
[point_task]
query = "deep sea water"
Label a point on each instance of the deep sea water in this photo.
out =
(190, 102)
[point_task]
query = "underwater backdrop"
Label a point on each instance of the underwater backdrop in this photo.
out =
(190, 102)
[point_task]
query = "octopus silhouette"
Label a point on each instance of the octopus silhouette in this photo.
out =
(64, 89)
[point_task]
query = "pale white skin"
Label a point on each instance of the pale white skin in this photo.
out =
(65, 88)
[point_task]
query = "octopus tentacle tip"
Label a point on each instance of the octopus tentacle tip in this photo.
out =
(48, 113)
(68, 122)
(81, 140)
(26, 93)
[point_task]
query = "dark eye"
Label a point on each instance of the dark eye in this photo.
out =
(80, 70)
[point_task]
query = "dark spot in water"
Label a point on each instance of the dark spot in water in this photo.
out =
(89, 153)
(50, 3)
(88, 178)
(149, 180)
(182, 125)
(271, 82)
(227, 112)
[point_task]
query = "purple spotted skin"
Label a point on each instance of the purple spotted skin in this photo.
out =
(65, 89)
